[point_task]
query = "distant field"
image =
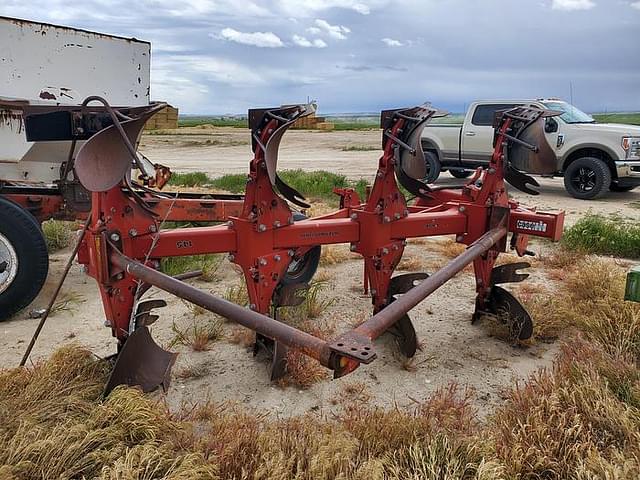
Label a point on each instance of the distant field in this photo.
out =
(194, 121)
(630, 118)
(372, 122)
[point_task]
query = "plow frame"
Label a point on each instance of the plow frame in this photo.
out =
(124, 243)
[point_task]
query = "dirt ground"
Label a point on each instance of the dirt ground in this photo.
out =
(452, 348)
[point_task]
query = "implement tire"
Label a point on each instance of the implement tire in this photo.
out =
(24, 259)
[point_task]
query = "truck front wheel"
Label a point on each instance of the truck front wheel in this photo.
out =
(587, 178)
(24, 260)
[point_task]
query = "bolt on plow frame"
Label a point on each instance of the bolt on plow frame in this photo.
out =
(278, 249)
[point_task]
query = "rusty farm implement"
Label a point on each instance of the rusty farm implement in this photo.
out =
(278, 249)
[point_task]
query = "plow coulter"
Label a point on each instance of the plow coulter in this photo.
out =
(278, 249)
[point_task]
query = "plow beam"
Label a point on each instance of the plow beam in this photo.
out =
(381, 321)
(266, 326)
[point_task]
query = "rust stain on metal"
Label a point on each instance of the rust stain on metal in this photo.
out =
(10, 117)
(47, 95)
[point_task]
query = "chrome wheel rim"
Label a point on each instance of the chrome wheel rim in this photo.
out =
(8, 263)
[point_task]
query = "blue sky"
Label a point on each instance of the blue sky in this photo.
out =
(224, 56)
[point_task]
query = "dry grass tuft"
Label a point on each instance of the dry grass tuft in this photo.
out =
(334, 254)
(323, 276)
(67, 302)
(563, 418)
(314, 305)
(198, 334)
(55, 425)
(242, 336)
(561, 258)
(237, 294)
(450, 248)
(193, 371)
(411, 263)
(302, 371)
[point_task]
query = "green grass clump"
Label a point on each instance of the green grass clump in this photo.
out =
(318, 184)
(233, 182)
(604, 236)
(58, 234)
(189, 179)
(209, 264)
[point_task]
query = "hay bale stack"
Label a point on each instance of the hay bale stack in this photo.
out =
(165, 119)
(313, 122)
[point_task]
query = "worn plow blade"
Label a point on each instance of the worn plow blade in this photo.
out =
(509, 310)
(403, 328)
(142, 362)
(410, 167)
(529, 151)
(508, 273)
(285, 116)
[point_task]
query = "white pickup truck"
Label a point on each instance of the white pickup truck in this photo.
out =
(594, 158)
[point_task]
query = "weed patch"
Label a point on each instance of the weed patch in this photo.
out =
(209, 264)
(58, 234)
(189, 179)
(198, 334)
(604, 236)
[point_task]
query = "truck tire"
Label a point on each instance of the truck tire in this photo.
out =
(587, 178)
(614, 187)
(459, 173)
(302, 270)
(433, 166)
(24, 259)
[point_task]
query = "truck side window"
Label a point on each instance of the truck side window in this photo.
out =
(483, 116)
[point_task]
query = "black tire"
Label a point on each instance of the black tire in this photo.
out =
(27, 265)
(614, 187)
(587, 178)
(303, 269)
(433, 166)
(460, 173)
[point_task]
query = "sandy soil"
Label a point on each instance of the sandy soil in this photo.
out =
(453, 349)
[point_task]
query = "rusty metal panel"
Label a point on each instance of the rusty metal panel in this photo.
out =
(64, 65)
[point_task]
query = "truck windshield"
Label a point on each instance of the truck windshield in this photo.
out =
(570, 114)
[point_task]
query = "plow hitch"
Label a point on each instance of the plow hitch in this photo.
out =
(278, 249)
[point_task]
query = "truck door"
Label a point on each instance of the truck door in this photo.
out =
(477, 135)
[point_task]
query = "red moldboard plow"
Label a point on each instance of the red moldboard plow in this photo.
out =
(278, 249)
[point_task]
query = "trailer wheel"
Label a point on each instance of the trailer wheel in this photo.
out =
(587, 178)
(24, 260)
(303, 269)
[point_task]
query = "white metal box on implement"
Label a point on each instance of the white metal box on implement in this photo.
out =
(49, 64)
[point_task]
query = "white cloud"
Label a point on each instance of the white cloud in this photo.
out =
(636, 5)
(390, 42)
(314, 30)
(304, 42)
(309, 7)
(257, 39)
(569, 5)
(361, 8)
(338, 32)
